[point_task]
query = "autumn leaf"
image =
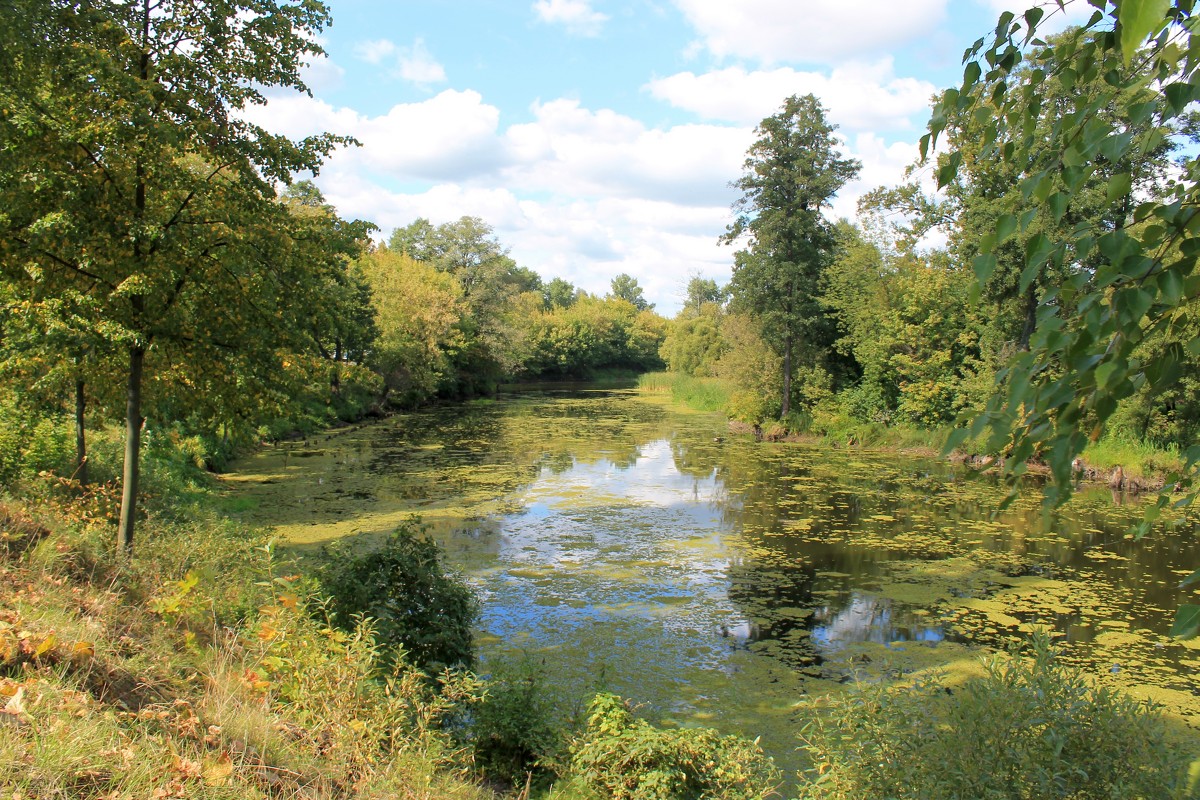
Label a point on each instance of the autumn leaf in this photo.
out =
(217, 772)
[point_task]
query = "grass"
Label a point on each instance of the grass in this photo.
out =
(1137, 459)
(699, 394)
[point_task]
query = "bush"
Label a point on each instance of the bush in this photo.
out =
(1031, 729)
(625, 758)
(416, 605)
(515, 729)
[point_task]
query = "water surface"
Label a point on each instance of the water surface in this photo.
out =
(644, 550)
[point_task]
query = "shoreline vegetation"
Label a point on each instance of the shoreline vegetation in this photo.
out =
(205, 666)
(1123, 465)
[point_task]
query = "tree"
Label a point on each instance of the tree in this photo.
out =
(792, 172)
(701, 291)
(625, 287)
(985, 189)
(558, 293)
(127, 177)
(1083, 358)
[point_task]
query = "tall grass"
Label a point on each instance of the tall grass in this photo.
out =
(699, 394)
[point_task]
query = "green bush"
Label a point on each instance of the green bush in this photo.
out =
(515, 729)
(625, 758)
(1031, 729)
(417, 606)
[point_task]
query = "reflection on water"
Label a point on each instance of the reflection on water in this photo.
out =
(716, 579)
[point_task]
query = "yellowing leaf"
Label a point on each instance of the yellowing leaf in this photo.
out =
(217, 773)
(45, 646)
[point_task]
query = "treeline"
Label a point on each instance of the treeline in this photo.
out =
(160, 266)
(438, 312)
(915, 312)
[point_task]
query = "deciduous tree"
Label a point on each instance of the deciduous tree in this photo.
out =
(127, 175)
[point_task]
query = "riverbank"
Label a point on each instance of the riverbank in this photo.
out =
(1122, 465)
(206, 667)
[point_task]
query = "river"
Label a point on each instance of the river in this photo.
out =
(630, 546)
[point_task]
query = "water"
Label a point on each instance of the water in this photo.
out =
(719, 581)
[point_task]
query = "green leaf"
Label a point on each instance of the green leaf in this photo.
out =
(1187, 622)
(1119, 186)
(957, 437)
(1139, 19)
(1058, 205)
(1032, 16)
(1106, 372)
(971, 75)
(984, 266)
(1006, 226)
(1179, 95)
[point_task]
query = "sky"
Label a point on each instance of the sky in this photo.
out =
(600, 136)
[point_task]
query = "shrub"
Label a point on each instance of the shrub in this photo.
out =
(625, 758)
(1030, 729)
(516, 732)
(416, 605)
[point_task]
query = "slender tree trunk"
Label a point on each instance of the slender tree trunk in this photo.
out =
(133, 442)
(1031, 306)
(81, 464)
(786, 406)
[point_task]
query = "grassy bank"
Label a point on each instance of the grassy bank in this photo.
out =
(203, 666)
(1141, 465)
(699, 394)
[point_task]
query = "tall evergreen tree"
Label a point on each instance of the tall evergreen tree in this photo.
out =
(793, 171)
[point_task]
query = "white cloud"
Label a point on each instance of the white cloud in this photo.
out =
(577, 193)
(858, 97)
(1076, 12)
(577, 16)
(882, 165)
(573, 150)
(375, 51)
(413, 63)
(418, 66)
(815, 31)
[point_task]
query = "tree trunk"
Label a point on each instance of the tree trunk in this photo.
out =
(81, 465)
(1031, 307)
(133, 442)
(787, 378)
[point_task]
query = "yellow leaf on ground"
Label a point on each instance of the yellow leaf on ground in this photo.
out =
(217, 773)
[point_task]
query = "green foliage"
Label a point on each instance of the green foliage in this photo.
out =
(793, 170)
(1032, 729)
(416, 606)
(701, 394)
(592, 335)
(1127, 265)
(625, 287)
(515, 727)
(622, 757)
(694, 343)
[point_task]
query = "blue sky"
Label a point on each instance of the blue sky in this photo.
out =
(600, 136)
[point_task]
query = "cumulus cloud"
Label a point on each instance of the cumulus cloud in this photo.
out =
(577, 16)
(602, 153)
(858, 97)
(816, 31)
(413, 63)
(577, 193)
(1055, 19)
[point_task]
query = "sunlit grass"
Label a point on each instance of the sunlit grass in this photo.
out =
(699, 394)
